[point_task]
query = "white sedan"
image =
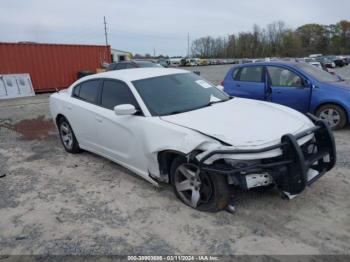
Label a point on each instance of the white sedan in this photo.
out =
(170, 125)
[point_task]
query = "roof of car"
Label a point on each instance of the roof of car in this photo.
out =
(290, 63)
(137, 73)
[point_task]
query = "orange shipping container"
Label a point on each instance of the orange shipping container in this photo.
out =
(51, 66)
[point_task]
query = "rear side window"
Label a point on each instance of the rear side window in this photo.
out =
(130, 66)
(89, 91)
(249, 74)
(76, 91)
(116, 93)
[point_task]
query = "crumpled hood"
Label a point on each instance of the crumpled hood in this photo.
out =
(243, 122)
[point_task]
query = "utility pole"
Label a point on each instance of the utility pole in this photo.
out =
(154, 52)
(188, 44)
(105, 23)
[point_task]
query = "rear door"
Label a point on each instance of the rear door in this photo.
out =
(81, 113)
(247, 82)
(288, 88)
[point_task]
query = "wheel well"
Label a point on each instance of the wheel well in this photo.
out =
(165, 158)
(58, 117)
(330, 103)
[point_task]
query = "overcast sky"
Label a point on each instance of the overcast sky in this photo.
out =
(141, 25)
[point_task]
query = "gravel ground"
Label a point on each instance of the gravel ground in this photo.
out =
(52, 202)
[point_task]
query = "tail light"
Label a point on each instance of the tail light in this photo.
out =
(222, 82)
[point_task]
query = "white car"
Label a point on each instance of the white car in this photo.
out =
(170, 125)
(311, 61)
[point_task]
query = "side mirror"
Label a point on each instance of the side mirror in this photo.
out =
(220, 87)
(125, 110)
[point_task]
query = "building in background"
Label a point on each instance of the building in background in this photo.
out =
(119, 55)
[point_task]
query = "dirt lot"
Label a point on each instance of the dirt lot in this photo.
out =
(52, 202)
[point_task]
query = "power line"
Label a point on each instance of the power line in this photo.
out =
(188, 44)
(104, 21)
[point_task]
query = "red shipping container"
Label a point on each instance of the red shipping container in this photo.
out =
(51, 66)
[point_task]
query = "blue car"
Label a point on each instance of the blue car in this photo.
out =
(297, 85)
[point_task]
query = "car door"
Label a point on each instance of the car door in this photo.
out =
(288, 88)
(117, 135)
(81, 113)
(247, 82)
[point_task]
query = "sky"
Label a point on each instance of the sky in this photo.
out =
(142, 26)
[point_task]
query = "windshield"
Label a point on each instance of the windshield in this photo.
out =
(318, 74)
(177, 93)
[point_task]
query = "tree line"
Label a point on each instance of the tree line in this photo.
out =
(277, 40)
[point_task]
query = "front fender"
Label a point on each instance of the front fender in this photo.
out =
(315, 106)
(171, 137)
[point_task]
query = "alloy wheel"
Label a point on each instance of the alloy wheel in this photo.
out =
(66, 135)
(192, 186)
(331, 116)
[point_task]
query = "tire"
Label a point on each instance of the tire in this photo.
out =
(330, 112)
(214, 193)
(66, 132)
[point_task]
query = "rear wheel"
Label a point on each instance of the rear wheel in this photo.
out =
(67, 136)
(333, 114)
(199, 190)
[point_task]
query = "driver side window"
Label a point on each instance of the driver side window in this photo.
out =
(283, 77)
(116, 93)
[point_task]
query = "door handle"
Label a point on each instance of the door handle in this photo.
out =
(99, 120)
(238, 85)
(279, 92)
(69, 107)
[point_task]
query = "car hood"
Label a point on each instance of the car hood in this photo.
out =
(243, 122)
(342, 84)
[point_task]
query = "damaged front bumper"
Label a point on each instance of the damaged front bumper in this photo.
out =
(297, 167)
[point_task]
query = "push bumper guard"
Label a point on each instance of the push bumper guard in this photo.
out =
(290, 170)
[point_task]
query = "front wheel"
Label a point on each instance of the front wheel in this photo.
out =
(334, 115)
(199, 190)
